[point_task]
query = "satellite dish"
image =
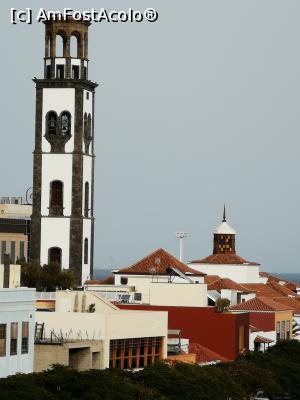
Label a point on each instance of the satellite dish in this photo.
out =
(29, 195)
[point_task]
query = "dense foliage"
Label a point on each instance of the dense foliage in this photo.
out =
(47, 277)
(276, 373)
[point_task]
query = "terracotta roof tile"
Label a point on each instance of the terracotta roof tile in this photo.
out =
(205, 355)
(157, 263)
(293, 303)
(282, 289)
(208, 279)
(292, 286)
(223, 258)
(260, 304)
(262, 289)
(227, 283)
(262, 339)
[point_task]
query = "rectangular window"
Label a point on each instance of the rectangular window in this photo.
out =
(60, 71)
(124, 280)
(75, 72)
(3, 250)
(48, 72)
(13, 252)
(25, 334)
(288, 329)
(282, 336)
(84, 72)
(2, 340)
(22, 249)
(87, 95)
(13, 338)
(277, 330)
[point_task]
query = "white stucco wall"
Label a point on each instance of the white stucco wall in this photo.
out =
(238, 273)
(58, 100)
(56, 167)
(181, 295)
(17, 305)
(55, 232)
(229, 294)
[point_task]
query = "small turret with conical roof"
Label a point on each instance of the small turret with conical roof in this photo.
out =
(224, 237)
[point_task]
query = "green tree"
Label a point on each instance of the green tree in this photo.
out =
(222, 304)
(46, 277)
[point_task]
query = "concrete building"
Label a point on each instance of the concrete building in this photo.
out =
(15, 228)
(123, 339)
(17, 308)
(224, 261)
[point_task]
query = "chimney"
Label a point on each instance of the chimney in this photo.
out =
(6, 262)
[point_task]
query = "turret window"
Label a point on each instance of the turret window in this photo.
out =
(56, 198)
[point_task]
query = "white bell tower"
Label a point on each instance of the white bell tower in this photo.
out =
(62, 227)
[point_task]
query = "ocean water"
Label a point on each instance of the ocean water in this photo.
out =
(103, 273)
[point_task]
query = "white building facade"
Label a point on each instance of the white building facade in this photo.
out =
(17, 312)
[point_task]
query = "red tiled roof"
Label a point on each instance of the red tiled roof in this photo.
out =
(227, 283)
(223, 258)
(262, 289)
(205, 355)
(282, 289)
(208, 279)
(293, 303)
(157, 263)
(292, 286)
(262, 339)
(260, 304)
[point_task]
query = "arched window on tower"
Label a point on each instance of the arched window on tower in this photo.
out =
(86, 199)
(65, 124)
(51, 123)
(60, 43)
(86, 251)
(74, 44)
(54, 256)
(87, 132)
(56, 198)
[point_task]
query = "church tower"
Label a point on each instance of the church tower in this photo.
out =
(62, 229)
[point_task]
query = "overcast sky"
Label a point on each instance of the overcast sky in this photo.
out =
(194, 110)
